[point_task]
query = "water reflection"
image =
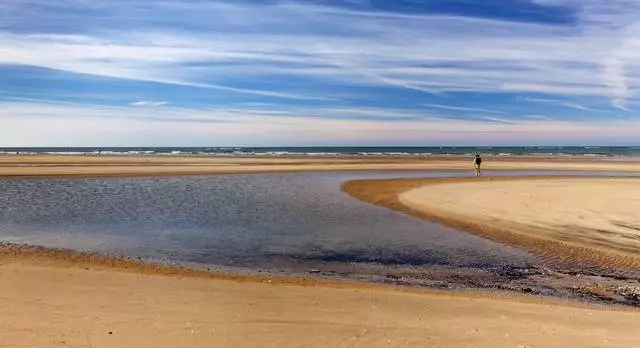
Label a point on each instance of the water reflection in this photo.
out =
(253, 221)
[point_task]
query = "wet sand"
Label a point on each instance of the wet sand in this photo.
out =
(573, 222)
(57, 299)
(52, 299)
(107, 165)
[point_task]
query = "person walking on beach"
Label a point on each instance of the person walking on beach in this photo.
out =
(477, 162)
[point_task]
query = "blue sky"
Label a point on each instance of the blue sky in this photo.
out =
(332, 72)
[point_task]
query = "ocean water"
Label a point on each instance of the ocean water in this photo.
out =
(581, 151)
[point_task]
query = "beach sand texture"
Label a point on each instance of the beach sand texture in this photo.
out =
(593, 220)
(51, 299)
(46, 303)
(72, 165)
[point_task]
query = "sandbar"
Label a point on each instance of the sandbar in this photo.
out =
(153, 165)
(571, 220)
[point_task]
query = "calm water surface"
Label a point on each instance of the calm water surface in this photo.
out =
(253, 221)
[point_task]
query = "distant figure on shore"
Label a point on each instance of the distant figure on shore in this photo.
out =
(477, 162)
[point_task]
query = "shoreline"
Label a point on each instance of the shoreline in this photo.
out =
(67, 298)
(37, 256)
(52, 300)
(117, 166)
(387, 193)
(531, 284)
(33, 255)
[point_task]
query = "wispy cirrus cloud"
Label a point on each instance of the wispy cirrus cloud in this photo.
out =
(27, 123)
(459, 108)
(401, 62)
(378, 45)
(149, 103)
(536, 117)
(580, 107)
(560, 102)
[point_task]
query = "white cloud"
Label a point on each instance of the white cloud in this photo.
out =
(149, 103)
(580, 107)
(540, 100)
(616, 81)
(458, 108)
(537, 117)
(176, 42)
(428, 53)
(26, 123)
(497, 119)
(565, 103)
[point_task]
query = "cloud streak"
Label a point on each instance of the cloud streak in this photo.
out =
(458, 108)
(307, 62)
(378, 47)
(33, 124)
(149, 103)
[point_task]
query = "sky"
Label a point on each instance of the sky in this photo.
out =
(319, 73)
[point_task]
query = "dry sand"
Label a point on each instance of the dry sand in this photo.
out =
(593, 220)
(51, 299)
(69, 165)
(49, 302)
(587, 212)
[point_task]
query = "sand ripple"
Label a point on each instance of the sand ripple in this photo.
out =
(574, 221)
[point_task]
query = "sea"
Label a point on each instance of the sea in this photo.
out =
(561, 151)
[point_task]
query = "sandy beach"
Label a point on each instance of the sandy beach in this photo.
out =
(108, 165)
(60, 299)
(583, 212)
(573, 220)
(50, 300)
